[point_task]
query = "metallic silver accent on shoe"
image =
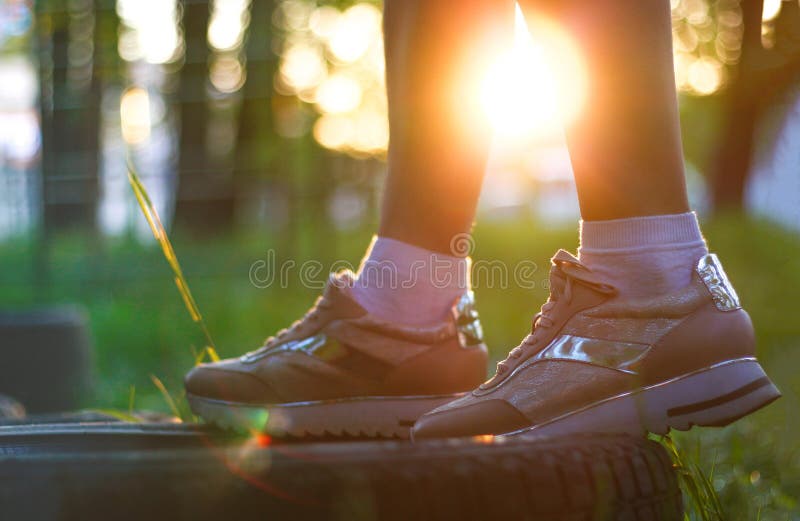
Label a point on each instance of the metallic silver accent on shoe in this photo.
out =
(309, 344)
(596, 351)
(468, 323)
(609, 354)
(713, 276)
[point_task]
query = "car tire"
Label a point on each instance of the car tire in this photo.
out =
(136, 471)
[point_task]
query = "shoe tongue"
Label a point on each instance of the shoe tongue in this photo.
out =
(565, 256)
(341, 304)
(569, 265)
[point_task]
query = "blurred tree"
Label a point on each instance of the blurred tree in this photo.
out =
(70, 111)
(760, 76)
(257, 159)
(258, 144)
(107, 59)
(286, 165)
(205, 195)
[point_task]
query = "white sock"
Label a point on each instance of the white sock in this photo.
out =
(405, 284)
(644, 256)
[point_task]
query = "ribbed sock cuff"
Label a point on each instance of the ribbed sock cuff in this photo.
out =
(406, 284)
(653, 232)
(390, 262)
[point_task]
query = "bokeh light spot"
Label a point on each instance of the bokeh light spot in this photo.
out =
(705, 76)
(302, 67)
(354, 32)
(339, 93)
(771, 10)
(134, 112)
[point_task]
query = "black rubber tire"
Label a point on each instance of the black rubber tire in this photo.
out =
(123, 471)
(46, 358)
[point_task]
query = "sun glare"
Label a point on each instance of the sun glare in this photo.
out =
(521, 95)
(333, 60)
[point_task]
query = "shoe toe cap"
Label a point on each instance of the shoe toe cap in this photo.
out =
(221, 382)
(493, 416)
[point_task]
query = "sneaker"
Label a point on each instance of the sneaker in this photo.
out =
(340, 371)
(598, 362)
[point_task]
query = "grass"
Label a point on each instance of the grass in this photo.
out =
(162, 238)
(140, 327)
(702, 500)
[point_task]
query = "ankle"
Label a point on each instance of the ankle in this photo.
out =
(644, 256)
(403, 283)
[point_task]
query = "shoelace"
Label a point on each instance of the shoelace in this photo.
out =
(541, 321)
(312, 315)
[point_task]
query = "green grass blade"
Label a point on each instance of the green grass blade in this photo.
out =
(697, 486)
(131, 398)
(167, 397)
(119, 415)
(212, 354)
(159, 232)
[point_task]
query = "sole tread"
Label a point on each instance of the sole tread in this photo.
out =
(315, 421)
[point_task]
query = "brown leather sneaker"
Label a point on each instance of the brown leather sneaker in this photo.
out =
(341, 371)
(598, 362)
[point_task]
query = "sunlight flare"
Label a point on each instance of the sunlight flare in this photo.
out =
(524, 95)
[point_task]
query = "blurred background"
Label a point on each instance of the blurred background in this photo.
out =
(260, 126)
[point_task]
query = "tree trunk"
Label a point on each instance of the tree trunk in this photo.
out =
(204, 200)
(70, 114)
(760, 77)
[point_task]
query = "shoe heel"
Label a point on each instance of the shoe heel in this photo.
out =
(721, 395)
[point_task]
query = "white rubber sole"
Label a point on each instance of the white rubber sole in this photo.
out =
(372, 416)
(712, 397)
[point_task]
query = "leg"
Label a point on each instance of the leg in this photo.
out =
(625, 147)
(436, 52)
